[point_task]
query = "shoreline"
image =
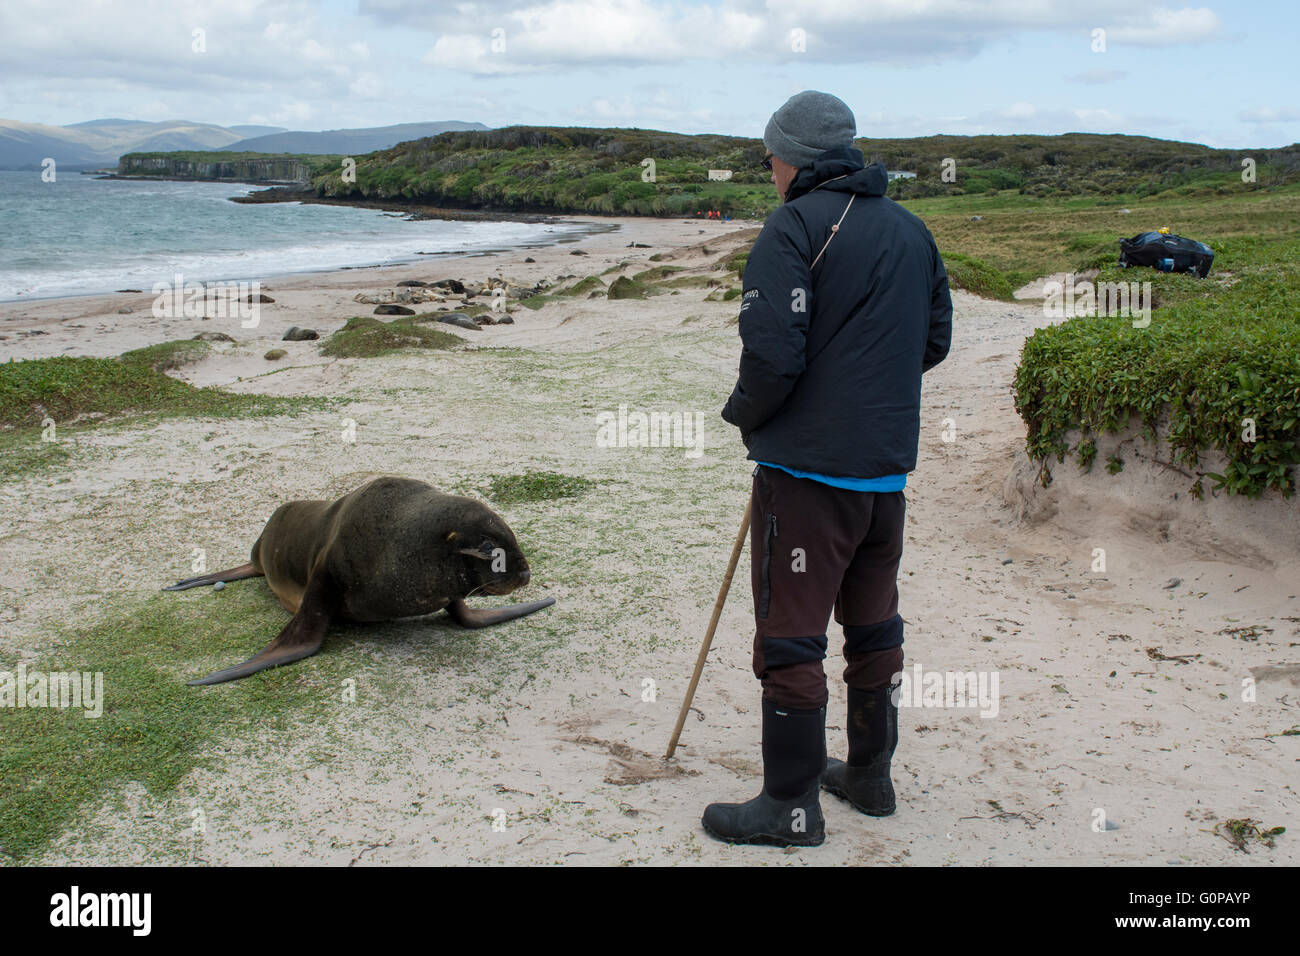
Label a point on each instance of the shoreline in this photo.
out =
(92, 323)
(282, 191)
(591, 228)
(415, 211)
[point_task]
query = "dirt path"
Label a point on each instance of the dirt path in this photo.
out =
(538, 742)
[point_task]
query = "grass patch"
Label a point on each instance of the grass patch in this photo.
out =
(656, 273)
(366, 337)
(24, 452)
(735, 262)
(687, 282)
(583, 287)
(977, 277)
(536, 302)
(167, 355)
(56, 763)
(536, 486)
(66, 388)
(1025, 238)
(625, 288)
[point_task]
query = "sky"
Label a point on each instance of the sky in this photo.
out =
(1223, 74)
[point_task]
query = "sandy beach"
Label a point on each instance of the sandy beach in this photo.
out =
(1120, 690)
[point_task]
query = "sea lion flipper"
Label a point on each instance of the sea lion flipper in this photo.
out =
(466, 616)
(230, 574)
(301, 637)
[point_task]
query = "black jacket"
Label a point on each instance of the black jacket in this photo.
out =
(835, 388)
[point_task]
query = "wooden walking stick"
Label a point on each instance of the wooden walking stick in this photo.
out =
(713, 626)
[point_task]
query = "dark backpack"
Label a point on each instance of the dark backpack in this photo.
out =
(1167, 253)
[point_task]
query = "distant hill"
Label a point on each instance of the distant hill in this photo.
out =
(347, 142)
(100, 142)
(581, 170)
(25, 146)
(249, 131)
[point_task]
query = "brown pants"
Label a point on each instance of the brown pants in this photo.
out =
(816, 548)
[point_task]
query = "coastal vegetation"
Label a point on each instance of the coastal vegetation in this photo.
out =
(1217, 369)
(536, 486)
(166, 356)
(366, 337)
(577, 170)
(65, 389)
(46, 403)
(154, 730)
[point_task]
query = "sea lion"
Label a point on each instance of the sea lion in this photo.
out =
(393, 548)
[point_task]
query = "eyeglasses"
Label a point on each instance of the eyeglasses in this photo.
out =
(767, 162)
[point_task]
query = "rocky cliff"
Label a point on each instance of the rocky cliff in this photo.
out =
(246, 169)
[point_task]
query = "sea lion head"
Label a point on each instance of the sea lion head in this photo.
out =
(489, 555)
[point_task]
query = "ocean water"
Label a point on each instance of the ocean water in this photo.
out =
(81, 235)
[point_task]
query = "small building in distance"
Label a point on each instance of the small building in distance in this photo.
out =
(719, 175)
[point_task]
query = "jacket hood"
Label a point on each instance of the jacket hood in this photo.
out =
(842, 161)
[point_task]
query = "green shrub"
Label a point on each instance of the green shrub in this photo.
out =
(366, 337)
(65, 388)
(536, 486)
(625, 288)
(583, 287)
(978, 277)
(1209, 364)
(167, 355)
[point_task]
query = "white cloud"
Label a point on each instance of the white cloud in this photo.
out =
(561, 34)
(249, 44)
(652, 106)
(313, 52)
(1097, 77)
(292, 113)
(1163, 27)
(1019, 118)
(366, 86)
(1270, 114)
(569, 33)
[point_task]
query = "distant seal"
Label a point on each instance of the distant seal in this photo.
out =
(393, 548)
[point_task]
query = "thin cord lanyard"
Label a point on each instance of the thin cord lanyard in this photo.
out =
(835, 228)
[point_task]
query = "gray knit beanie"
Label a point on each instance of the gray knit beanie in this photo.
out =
(807, 125)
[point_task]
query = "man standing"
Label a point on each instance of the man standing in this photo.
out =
(845, 304)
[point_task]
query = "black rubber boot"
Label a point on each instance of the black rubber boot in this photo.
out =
(788, 812)
(873, 735)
